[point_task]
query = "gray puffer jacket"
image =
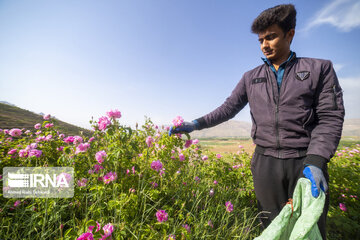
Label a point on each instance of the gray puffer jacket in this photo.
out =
(304, 117)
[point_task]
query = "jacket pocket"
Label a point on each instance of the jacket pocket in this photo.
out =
(309, 119)
(336, 96)
(254, 127)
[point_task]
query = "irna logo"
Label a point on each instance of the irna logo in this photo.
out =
(38, 180)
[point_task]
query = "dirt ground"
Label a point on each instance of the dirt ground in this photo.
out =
(228, 145)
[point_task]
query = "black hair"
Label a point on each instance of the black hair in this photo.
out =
(283, 15)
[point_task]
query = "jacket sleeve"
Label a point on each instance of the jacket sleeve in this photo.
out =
(232, 105)
(329, 113)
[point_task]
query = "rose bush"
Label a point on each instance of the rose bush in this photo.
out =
(143, 184)
(125, 181)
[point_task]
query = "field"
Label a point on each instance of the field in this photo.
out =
(228, 145)
(143, 184)
(234, 145)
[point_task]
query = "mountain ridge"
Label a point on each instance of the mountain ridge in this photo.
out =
(235, 128)
(12, 116)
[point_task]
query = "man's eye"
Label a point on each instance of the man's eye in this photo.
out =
(271, 37)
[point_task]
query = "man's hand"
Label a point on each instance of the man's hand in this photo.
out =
(317, 179)
(186, 127)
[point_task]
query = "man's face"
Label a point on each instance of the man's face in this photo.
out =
(275, 44)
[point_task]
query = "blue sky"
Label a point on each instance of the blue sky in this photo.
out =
(156, 58)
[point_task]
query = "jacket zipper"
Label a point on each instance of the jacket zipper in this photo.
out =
(276, 94)
(277, 100)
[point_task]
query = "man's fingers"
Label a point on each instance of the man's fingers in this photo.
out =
(323, 185)
(314, 189)
(172, 131)
(175, 130)
(326, 187)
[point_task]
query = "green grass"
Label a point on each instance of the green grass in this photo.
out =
(349, 142)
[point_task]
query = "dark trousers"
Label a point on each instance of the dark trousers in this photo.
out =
(274, 182)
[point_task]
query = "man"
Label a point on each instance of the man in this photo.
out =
(297, 115)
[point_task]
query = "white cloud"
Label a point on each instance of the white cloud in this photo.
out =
(351, 88)
(350, 82)
(338, 67)
(342, 14)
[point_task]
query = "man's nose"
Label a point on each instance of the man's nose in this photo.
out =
(264, 44)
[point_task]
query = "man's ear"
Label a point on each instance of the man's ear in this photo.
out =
(290, 35)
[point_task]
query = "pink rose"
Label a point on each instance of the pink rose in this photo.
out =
(108, 229)
(103, 123)
(161, 216)
(114, 114)
(156, 165)
(99, 156)
(82, 182)
(15, 132)
(188, 143)
(49, 125)
(48, 137)
(149, 140)
(33, 145)
(47, 117)
(77, 139)
(97, 168)
(23, 153)
(178, 121)
(109, 177)
(187, 227)
(82, 147)
(35, 152)
(69, 139)
(86, 236)
(229, 206)
(342, 207)
(12, 151)
(17, 203)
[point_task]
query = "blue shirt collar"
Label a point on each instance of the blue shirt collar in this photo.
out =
(268, 62)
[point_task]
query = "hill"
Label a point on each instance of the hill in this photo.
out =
(15, 117)
(227, 129)
(233, 128)
(351, 127)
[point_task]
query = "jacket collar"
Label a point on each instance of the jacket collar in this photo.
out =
(290, 59)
